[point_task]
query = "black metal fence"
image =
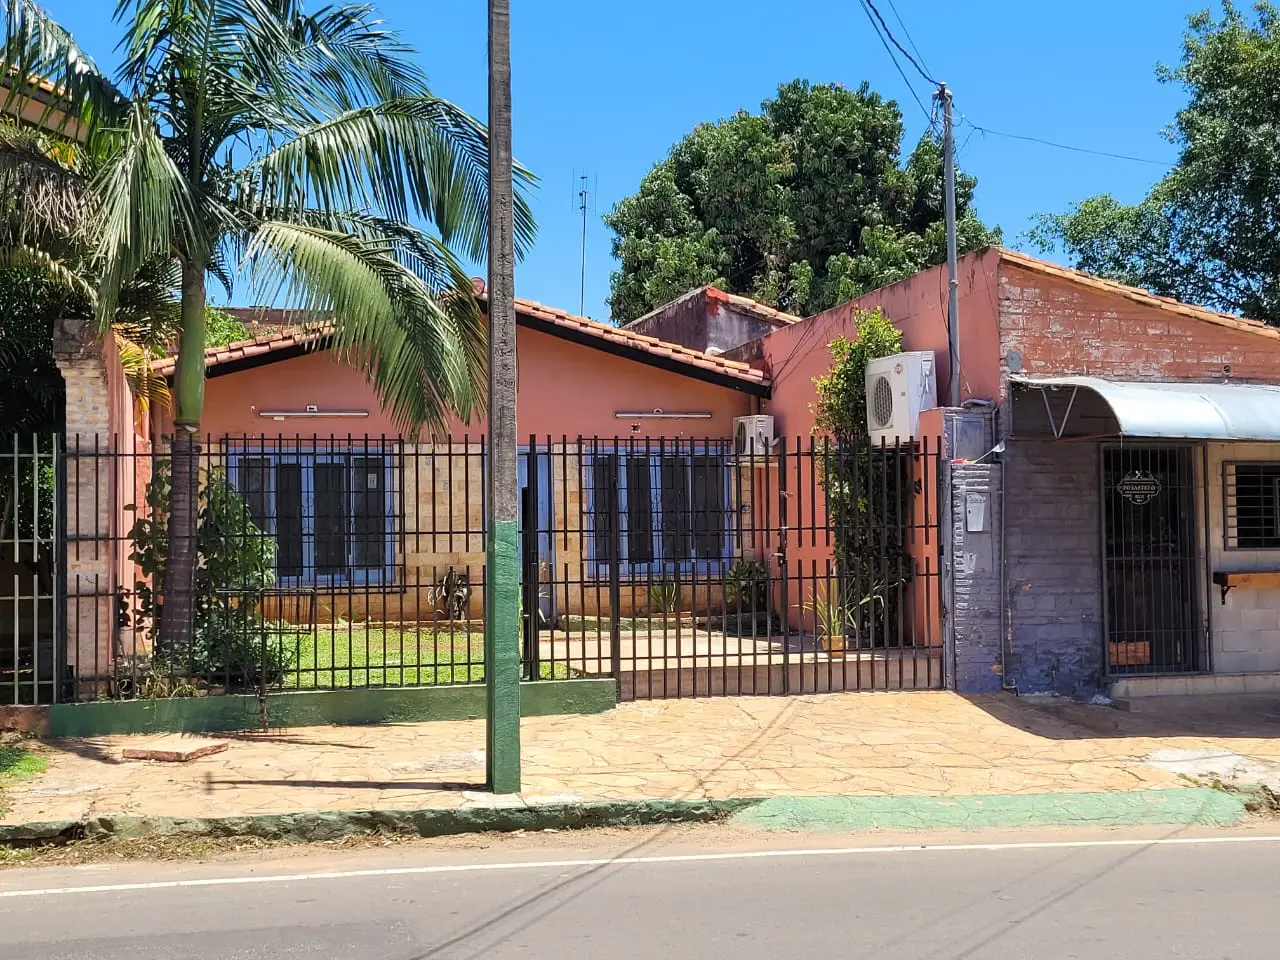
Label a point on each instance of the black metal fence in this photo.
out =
(677, 566)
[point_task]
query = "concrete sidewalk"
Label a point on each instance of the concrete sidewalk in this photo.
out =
(916, 745)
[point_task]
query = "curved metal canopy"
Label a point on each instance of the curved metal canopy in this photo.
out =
(1091, 406)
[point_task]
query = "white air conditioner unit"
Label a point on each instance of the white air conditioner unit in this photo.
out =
(898, 389)
(753, 436)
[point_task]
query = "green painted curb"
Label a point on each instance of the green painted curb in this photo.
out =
(322, 707)
(1185, 807)
(1202, 806)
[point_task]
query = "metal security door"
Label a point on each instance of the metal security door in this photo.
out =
(1150, 560)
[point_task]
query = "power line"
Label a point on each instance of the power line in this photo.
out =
(907, 33)
(870, 6)
(1064, 146)
(867, 9)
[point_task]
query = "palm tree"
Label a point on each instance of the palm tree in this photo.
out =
(252, 138)
(47, 273)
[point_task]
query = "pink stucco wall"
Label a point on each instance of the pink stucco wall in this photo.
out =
(563, 388)
(795, 355)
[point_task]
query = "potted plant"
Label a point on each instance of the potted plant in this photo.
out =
(831, 620)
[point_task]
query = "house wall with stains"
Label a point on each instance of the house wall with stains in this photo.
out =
(1056, 593)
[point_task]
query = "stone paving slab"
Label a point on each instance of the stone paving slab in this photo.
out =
(852, 744)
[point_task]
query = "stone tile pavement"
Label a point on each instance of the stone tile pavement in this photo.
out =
(853, 744)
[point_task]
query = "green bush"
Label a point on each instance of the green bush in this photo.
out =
(236, 565)
(746, 587)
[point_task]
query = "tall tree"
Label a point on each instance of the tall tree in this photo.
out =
(803, 206)
(296, 148)
(1207, 232)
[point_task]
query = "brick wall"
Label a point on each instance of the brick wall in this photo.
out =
(90, 627)
(1054, 581)
(1056, 327)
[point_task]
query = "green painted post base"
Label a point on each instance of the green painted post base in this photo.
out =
(502, 657)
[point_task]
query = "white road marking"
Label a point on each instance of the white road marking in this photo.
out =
(630, 861)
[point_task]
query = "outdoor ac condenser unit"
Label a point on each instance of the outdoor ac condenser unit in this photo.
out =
(898, 389)
(753, 436)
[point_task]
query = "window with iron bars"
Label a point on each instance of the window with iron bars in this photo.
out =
(330, 511)
(1251, 503)
(673, 511)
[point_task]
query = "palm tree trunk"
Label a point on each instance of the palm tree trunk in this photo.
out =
(177, 621)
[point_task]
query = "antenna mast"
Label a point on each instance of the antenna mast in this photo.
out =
(583, 194)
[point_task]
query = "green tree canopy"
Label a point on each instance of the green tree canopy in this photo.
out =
(802, 206)
(1209, 232)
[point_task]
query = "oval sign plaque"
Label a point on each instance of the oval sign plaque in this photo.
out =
(1138, 487)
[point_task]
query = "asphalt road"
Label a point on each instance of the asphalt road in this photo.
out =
(706, 900)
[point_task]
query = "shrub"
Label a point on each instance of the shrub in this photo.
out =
(236, 565)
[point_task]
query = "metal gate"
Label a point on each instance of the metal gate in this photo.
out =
(1150, 560)
(690, 568)
(30, 614)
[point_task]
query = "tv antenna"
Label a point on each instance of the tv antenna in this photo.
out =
(584, 195)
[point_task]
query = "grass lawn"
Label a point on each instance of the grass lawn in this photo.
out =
(376, 655)
(17, 763)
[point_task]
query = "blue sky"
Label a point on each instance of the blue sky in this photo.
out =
(610, 87)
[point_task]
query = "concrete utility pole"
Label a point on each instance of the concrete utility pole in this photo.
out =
(953, 296)
(502, 553)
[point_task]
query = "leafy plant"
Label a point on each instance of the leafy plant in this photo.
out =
(236, 564)
(221, 328)
(869, 489)
(746, 587)
(830, 617)
(664, 597)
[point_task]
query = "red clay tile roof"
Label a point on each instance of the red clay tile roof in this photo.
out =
(305, 336)
(272, 342)
(651, 345)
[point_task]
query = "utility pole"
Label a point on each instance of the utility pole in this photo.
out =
(502, 551)
(953, 296)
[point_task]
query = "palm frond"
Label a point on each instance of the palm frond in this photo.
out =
(410, 156)
(135, 362)
(62, 275)
(43, 63)
(148, 311)
(423, 353)
(43, 198)
(146, 211)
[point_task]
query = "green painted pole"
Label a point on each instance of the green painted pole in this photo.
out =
(502, 554)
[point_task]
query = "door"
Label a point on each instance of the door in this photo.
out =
(1150, 560)
(546, 538)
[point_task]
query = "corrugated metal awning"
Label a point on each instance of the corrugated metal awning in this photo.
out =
(1090, 406)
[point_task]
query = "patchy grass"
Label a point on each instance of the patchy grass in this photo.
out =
(17, 762)
(375, 655)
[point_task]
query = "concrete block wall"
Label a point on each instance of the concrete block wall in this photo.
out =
(976, 598)
(1053, 562)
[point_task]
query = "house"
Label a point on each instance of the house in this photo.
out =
(1126, 448)
(1102, 513)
